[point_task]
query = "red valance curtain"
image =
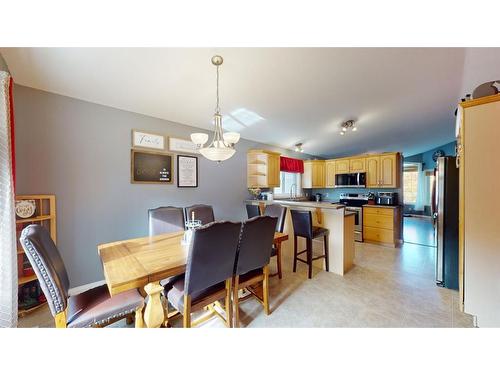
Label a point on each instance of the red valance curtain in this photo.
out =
(291, 165)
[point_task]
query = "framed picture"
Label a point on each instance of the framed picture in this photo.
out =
(182, 145)
(149, 167)
(142, 139)
(187, 171)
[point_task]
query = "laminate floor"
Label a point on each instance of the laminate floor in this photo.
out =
(387, 288)
(419, 230)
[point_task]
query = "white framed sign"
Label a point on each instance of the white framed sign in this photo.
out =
(143, 139)
(187, 171)
(182, 145)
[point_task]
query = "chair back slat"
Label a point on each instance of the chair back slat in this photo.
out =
(256, 242)
(48, 265)
(165, 220)
(212, 255)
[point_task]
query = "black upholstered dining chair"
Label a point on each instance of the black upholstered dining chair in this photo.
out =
(278, 211)
(302, 227)
(92, 308)
(202, 212)
(165, 220)
(252, 210)
(252, 264)
(209, 272)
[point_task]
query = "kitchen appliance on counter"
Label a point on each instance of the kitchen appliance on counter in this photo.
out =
(354, 203)
(344, 180)
(386, 199)
(267, 196)
(445, 214)
(318, 197)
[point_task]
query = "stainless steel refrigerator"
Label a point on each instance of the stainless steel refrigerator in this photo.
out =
(445, 214)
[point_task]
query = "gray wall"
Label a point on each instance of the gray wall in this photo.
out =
(80, 152)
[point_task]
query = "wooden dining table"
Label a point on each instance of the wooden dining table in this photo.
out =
(144, 262)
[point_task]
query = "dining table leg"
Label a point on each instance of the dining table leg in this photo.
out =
(153, 314)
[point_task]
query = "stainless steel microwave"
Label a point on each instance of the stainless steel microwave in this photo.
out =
(350, 180)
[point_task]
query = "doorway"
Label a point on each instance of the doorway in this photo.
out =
(418, 196)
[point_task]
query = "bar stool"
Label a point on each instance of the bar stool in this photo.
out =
(302, 227)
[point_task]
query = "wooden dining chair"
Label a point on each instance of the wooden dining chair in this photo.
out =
(252, 261)
(92, 308)
(166, 219)
(209, 273)
(202, 212)
(278, 211)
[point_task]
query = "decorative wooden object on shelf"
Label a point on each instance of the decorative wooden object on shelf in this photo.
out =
(45, 215)
(263, 169)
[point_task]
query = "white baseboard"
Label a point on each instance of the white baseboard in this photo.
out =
(83, 288)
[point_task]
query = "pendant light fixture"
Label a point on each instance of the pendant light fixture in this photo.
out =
(222, 146)
(348, 125)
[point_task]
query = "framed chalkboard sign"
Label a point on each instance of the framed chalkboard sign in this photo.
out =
(149, 167)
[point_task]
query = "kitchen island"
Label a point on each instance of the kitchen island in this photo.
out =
(327, 215)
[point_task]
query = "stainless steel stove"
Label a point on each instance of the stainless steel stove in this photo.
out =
(354, 203)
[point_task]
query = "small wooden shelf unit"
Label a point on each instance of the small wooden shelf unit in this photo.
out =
(45, 215)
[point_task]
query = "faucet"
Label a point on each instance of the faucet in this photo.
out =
(291, 191)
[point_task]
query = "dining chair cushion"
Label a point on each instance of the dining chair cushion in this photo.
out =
(176, 293)
(165, 220)
(96, 307)
(255, 245)
(48, 265)
(202, 212)
(168, 283)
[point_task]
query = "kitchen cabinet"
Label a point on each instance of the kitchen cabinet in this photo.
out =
(382, 225)
(314, 174)
(263, 169)
(356, 165)
(383, 171)
(342, 166)
(330, 173)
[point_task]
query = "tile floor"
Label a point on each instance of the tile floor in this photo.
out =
(387, 288)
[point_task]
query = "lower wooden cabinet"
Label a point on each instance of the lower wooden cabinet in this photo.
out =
(382, 225)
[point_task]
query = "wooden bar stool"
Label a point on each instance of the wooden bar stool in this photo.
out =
(302, 227)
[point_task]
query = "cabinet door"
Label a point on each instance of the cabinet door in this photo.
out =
(342, 166)
(318, 175)
(357, 165)
(372, 171)
(273, 171)
(388, 171)
(307, 181)
(330, 174)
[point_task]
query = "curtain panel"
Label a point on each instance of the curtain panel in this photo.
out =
(291, 165)
(8, 252)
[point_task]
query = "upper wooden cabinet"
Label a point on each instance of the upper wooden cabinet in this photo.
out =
(314, 174)
(342, 166)
(263, 169)
(383, 171)
(357, 165)
(330, 173)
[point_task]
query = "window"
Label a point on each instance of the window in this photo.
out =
(410, 183)
(287, 180)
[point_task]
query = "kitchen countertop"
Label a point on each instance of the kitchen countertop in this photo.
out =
(313, 204)
(380, 206)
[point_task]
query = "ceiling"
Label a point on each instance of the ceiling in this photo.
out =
(403, 99)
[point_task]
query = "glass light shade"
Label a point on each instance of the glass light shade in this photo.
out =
(344, 128)
(199, 138)
(354, 129)
(231, 137)
(217, 153)
(342, 133)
